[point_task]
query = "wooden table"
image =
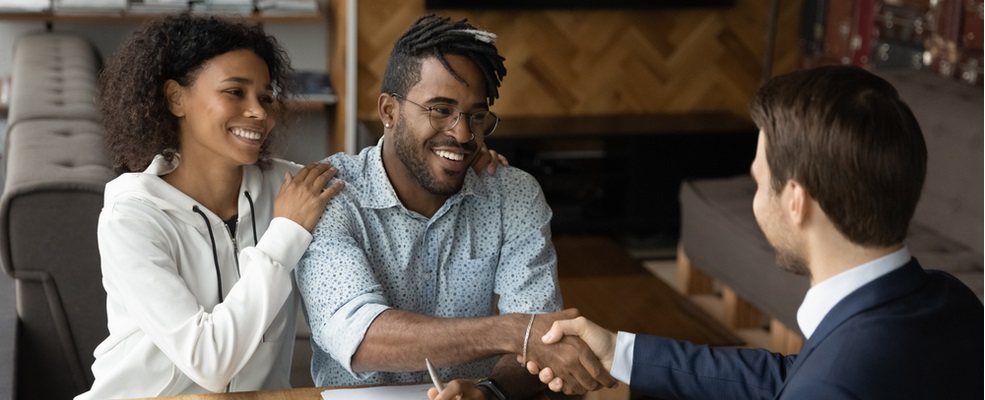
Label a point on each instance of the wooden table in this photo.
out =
(608, 286)
(287, 394)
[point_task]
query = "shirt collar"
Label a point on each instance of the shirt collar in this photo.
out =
(822, 297)
(381, 194)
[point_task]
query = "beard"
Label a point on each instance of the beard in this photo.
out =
(788, 256)
(414, 157)
(791, 261)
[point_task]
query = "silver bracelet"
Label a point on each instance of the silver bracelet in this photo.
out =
(526, 338)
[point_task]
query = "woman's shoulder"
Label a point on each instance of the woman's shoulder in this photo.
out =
(282, 165)
(136, 187)
(145, 196)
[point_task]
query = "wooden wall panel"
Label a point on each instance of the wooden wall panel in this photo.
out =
(582, 62)
(336, 72)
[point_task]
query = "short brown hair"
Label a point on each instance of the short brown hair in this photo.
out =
(846, 136)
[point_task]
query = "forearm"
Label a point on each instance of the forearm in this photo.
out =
(665, 367)
(141, 273)
(399, 341)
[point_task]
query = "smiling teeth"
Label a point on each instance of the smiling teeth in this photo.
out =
(449, 155)
(243, 133)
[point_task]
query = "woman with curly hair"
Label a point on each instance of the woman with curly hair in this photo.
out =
(199, 236)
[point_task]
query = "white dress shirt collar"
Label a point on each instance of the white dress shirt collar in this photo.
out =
(822, 297)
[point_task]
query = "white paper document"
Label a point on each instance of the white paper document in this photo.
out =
(399, 392)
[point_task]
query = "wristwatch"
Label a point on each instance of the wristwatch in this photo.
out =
(494, 388)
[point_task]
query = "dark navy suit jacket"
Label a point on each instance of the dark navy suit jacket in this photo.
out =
(910, 334)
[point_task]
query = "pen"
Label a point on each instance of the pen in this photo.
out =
(434, 376)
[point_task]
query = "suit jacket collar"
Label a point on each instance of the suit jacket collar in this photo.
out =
(886, 288)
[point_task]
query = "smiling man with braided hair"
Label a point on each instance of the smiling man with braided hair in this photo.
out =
(411, 259)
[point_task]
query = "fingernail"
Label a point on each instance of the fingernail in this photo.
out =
(547, 336)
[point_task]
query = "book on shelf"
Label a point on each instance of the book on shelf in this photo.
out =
(26, 6)
(237, 7)
(89, 7)
(315, 86)
(288, 7)
(157, 6)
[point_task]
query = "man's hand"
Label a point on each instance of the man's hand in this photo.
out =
(489, 160)
(601, 341)
(571, 360)
(462, 389)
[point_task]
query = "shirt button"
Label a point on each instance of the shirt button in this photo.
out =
(427, 276)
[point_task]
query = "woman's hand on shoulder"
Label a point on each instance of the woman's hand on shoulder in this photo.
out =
(490, 160)
(303, 196)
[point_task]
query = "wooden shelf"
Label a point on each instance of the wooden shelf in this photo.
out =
(124, 17)
(49, 19)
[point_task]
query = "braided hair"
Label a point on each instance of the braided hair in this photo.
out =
(434, 36)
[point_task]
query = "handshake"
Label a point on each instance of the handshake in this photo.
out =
(573, 356)
(598, 363)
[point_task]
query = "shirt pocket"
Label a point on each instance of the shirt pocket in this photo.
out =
(468, 288)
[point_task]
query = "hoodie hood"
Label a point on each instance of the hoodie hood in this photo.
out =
(149, 187)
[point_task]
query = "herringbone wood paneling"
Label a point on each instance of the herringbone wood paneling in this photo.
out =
(564, 62)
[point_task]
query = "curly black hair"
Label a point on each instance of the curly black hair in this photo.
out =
(132, 103)
(436, 36)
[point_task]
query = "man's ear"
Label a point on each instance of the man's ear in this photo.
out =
(173, 92)
(387, 108)
(797, 202)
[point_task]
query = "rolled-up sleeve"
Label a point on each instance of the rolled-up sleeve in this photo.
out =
(340, 292)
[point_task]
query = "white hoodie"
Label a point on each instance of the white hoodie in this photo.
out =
(169, 333)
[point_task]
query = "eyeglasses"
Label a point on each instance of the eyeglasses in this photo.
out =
(444, 117)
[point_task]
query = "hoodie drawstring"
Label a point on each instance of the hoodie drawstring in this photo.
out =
(256, 239)
(215, 254)
(253, 214)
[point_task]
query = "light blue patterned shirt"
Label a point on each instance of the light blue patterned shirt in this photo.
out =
(370, 253)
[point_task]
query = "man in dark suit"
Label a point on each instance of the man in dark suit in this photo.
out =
(839, 167)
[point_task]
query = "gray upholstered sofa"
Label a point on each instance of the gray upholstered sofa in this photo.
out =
(54, 172)
(55, 169)
(721, 242)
